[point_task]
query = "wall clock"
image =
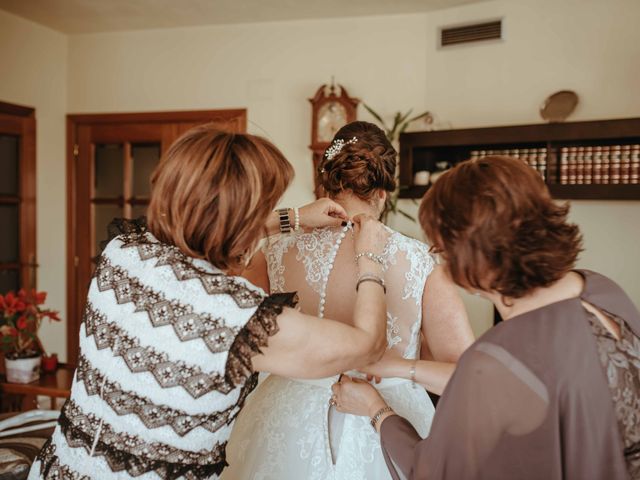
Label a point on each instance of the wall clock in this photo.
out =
(331, 109)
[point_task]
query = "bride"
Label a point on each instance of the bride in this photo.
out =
(289, 428)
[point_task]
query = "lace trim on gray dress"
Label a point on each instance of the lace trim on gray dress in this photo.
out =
(621, 361)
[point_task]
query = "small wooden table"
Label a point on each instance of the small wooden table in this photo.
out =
(52, 385)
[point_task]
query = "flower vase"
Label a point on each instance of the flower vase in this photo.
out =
(22, 370)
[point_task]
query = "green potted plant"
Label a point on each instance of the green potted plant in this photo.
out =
(401, 121)
(20, 317)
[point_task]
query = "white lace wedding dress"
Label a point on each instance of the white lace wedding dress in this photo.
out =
(287, 429)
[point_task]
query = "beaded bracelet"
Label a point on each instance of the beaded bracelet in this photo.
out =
(379, 413)
(296, 221)
(371, 256)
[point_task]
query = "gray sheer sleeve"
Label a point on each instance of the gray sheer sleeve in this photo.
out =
(492, 403)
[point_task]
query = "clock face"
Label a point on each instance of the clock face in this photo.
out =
(332, 116)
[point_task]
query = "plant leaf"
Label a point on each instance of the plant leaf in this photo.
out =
(396, 123)
(396, 120)
(404, 127)
(405, 116)
(405, 214)
(418, 117)
(375, 115)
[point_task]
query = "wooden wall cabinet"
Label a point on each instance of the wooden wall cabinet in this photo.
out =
(561, 150)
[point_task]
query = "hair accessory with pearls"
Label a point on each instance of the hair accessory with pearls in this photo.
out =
(336, 147)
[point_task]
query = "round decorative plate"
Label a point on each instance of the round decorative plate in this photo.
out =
(557, 107)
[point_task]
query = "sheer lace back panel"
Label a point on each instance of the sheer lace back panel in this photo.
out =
(300, 262)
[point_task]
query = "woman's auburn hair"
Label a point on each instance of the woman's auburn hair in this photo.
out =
(212, 192)
(497, 227)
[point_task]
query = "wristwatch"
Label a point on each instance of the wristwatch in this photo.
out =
(285, 221)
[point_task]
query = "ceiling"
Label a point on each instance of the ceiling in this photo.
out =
(91, 16)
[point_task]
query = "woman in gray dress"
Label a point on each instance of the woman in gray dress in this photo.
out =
(553, 391)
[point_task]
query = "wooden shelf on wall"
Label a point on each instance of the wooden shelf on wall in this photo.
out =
(423, 150)
(591, 192)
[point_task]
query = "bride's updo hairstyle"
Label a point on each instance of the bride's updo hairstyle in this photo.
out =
(360, 159)
(212, 192)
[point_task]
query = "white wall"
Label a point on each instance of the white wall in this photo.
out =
(270, 68)
(391, 62)
(590, 46)
(33, 72)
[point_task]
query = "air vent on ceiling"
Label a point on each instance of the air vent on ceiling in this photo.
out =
(477, 32)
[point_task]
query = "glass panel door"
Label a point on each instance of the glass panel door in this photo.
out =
(121, 184)
(9, 213)
(108, 194)
(17, 198)
(144, 159)
(112, 158)
(10, 237)
(9, 165)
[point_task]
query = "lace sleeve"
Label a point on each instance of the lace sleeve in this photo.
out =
(254, 335)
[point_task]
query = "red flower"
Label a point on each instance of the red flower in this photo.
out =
(11, 304)
(40, 297)
(22, 323)
(10, 331)
(52, 315)
(23, 310)
(33, 296)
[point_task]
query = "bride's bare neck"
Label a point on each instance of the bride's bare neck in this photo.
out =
(355, 205)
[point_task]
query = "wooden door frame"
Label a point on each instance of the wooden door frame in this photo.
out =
(24, 120)
(236, 117)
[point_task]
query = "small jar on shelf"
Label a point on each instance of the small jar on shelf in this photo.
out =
(572, 166)
(634, 172)
(606, 164)
(597, 165)
(614, 167)
(580, 166)
(588, 165)
(564, 166)
(625, 164)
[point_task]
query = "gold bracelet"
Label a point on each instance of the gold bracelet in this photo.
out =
(379, 413)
